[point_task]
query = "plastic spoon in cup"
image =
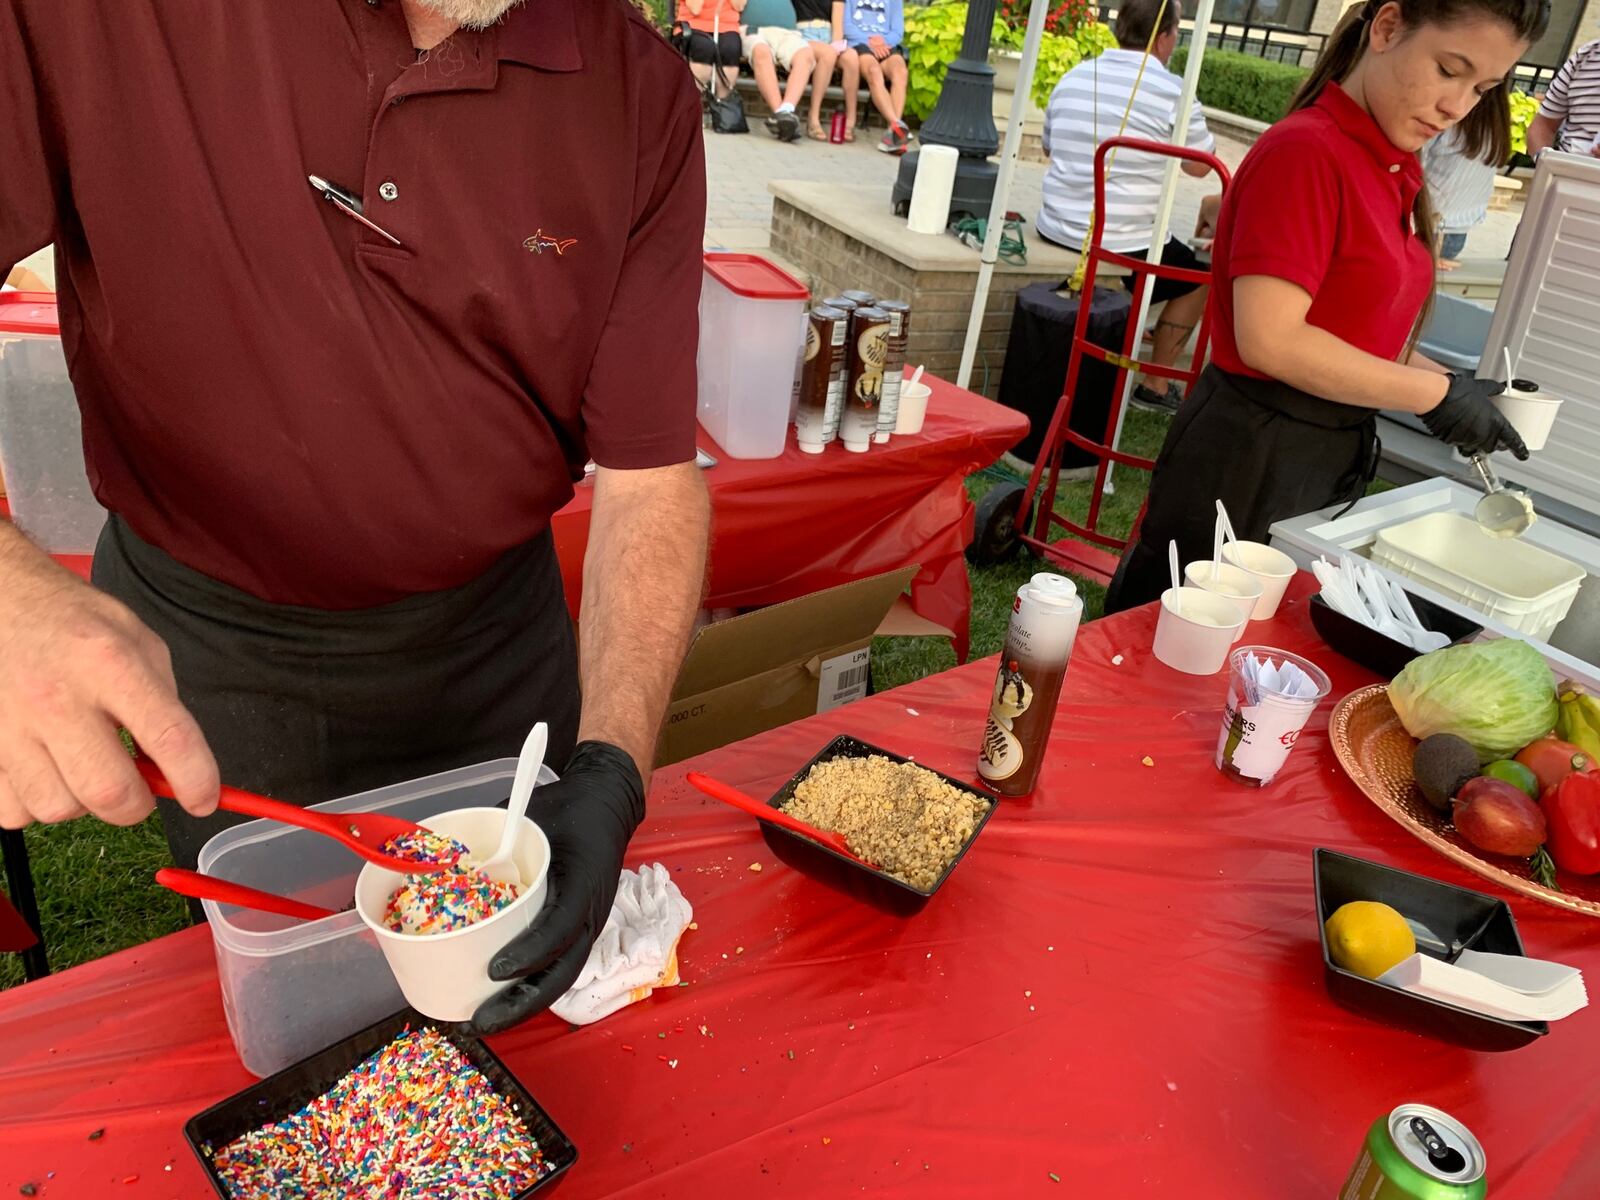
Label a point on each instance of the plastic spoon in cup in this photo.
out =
(365, 833)
(916, 376)
(499, 866)
(718, 790)
(1177, 581)
(1227, 524)
(208, 887)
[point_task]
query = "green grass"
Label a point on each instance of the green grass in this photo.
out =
(905, 659)
(95, 882)
(97, 892)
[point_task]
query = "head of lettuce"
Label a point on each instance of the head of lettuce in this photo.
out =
(1499, 695)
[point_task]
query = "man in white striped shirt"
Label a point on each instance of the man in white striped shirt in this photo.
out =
(1086, 108)
(1569, 117)
(1460, 183)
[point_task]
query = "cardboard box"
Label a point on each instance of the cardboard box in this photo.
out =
(778, 664)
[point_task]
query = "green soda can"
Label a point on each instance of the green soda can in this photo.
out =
(1418, 1153)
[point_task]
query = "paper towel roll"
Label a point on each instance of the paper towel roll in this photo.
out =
(930, 194)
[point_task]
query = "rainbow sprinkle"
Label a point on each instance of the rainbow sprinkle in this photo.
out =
(444, 900)
(416, 1121)
(425, 846)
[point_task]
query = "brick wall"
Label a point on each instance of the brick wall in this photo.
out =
(941, 301)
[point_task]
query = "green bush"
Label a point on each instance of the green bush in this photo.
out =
(1243, 84)
(933, 42)
(1524, 108)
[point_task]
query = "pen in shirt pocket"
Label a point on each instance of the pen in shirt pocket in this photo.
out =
(347, 203)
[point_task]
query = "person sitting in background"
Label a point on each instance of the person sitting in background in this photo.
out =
(771, 41)
(713, 42)
(821, 23)
(874, 30)
(1085, 109)
(1569, 115)
(1460, 179)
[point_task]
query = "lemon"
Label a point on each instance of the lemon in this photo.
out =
(1367, 938)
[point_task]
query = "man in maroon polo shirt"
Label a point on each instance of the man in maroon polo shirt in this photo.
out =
(350, 290)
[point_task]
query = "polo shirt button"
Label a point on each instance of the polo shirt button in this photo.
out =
(1393, 167)
(388, 190)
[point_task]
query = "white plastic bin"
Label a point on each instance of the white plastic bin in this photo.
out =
(1523, 585)
(289, 987)
(752, 330)
(41, 439)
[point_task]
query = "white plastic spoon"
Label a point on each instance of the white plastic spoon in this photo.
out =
(500, 866)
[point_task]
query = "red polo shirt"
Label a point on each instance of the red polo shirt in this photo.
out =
(284, 399)
(1325, 201)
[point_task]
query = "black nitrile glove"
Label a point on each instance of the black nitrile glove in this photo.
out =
(1471, 424)
(588, 817)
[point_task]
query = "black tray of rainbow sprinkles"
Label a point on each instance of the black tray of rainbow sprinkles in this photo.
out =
(407, 1108)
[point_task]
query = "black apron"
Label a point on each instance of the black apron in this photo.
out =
(307, 705)
(1266, 450)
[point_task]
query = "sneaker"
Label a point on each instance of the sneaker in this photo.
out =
(1150, 400)
(788, 126)
(896, 140)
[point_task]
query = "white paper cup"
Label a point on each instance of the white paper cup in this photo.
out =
(1273, 567)
(1196, 629)
(1235, 583)
(1531, 414)
(445, 976)
(913, 407)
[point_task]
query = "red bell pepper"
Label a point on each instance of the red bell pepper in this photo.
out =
(1572, 811)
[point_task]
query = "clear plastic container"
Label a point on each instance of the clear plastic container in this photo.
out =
(1510, 579)
(289, 987)
(41, 439)
(752, 333)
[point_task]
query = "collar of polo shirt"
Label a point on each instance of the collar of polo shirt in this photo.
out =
(1358, 124)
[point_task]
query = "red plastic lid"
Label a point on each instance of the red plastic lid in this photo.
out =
(753, 276)
(29, 312)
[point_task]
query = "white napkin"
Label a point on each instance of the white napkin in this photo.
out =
(1264, 678)
(636, 952)
(1498, 985)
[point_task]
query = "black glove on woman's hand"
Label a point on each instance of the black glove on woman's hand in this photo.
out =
(1468, 421)
(588, 817)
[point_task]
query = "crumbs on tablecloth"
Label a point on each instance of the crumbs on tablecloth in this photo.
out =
(415, 1121)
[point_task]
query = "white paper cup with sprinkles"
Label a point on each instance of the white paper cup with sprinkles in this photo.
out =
(439, 930)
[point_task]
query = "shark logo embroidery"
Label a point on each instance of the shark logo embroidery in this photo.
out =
(541, 241)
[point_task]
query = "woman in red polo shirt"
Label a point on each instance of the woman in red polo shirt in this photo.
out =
(1322, 267)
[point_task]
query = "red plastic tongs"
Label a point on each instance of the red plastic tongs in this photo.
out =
(209, 887)
(729, 794)
(364, 833)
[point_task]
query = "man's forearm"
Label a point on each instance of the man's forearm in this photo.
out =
(1542, 134)
(643, 578)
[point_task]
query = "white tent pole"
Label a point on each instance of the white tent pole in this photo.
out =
(1002, 187)
(1169, 191)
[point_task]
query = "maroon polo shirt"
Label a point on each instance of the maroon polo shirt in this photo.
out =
(1326, 201)
(284, 399)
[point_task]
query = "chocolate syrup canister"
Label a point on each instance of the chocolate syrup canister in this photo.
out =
(893, 366)
(821, 380)
(1044, 625)
(868, 347)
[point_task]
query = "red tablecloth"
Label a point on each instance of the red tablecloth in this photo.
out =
(1121, 985)
(786, 527)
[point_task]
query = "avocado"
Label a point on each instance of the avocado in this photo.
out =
(1441, 764)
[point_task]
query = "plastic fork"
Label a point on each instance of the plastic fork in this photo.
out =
(364, 833)
(718, 790)
(209, 887)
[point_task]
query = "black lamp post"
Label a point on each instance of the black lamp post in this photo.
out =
(963, 118)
